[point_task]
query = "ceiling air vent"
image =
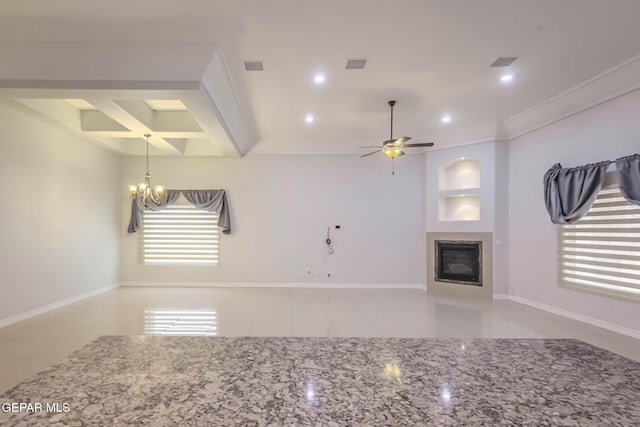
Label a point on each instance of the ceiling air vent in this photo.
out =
(503, 61)
(253, 66)
(355, 64)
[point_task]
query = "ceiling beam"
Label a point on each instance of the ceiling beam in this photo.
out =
(57, 109)
(218, 89)
(201, 111)
(131, 122)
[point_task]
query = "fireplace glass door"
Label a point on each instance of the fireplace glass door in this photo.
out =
(459, 262)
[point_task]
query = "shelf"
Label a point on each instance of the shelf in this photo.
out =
(462, 191)
(461, 207)
(459, 190)
(459, 174)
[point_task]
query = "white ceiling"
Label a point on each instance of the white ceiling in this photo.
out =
(432, 56)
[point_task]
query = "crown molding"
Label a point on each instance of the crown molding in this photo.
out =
(612, 83)
(487, 132)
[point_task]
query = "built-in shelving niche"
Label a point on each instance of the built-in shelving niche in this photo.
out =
(459, 190)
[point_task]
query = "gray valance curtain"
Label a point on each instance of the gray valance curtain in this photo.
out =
(209, 200)
(137, 207)
(570, 193)
(628, 169)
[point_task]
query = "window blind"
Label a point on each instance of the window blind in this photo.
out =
(180, 235)
(601, 251)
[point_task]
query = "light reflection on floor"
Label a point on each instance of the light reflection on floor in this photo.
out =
(180, 322)
(32, 345)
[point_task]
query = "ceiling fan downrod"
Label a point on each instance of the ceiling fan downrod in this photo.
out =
(391, 104)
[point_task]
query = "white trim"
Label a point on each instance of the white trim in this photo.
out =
(579, 317)
(54, 306)
(612, 83)
(218, 89)
(500, 296)
(275, 285)
(479, 134)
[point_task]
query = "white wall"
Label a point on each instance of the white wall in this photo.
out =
(606, 131)
(281, 207)
(501, 220)
(60, 214)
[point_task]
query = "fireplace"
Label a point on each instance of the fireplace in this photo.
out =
(458, 262)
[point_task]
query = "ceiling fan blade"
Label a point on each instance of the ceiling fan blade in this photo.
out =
(368, 154)
(397, 141)
(370, 146)
(422, 144)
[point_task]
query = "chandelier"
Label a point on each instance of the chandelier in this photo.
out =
(144, 190)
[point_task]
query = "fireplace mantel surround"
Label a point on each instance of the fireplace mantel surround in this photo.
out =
(453, 289)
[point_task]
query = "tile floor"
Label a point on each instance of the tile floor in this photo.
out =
(32, 345)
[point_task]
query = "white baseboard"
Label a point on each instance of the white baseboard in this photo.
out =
(579, 317)
(53, 306)
(500, 296)
(275, 285)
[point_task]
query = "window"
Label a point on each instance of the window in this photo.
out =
(180, 235)
(601, 251)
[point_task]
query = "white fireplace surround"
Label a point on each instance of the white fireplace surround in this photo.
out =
(454, 289)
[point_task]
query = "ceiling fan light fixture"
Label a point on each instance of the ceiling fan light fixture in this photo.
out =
(393, 148)
(392, 152)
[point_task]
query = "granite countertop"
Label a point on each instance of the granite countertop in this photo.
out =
(203, 381)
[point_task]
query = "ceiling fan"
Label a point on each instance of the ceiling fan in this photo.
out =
(393, 148)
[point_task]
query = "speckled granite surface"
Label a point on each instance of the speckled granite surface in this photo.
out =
(205, 381)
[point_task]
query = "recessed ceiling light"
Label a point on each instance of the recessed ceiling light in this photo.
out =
(319, 78)
(506, 77)
(446, 119)
(309, 118)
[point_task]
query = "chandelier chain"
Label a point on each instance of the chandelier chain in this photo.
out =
(147, 136)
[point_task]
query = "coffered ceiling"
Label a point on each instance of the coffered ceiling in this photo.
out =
(116, 70)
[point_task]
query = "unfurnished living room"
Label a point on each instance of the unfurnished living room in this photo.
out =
(333, 213)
